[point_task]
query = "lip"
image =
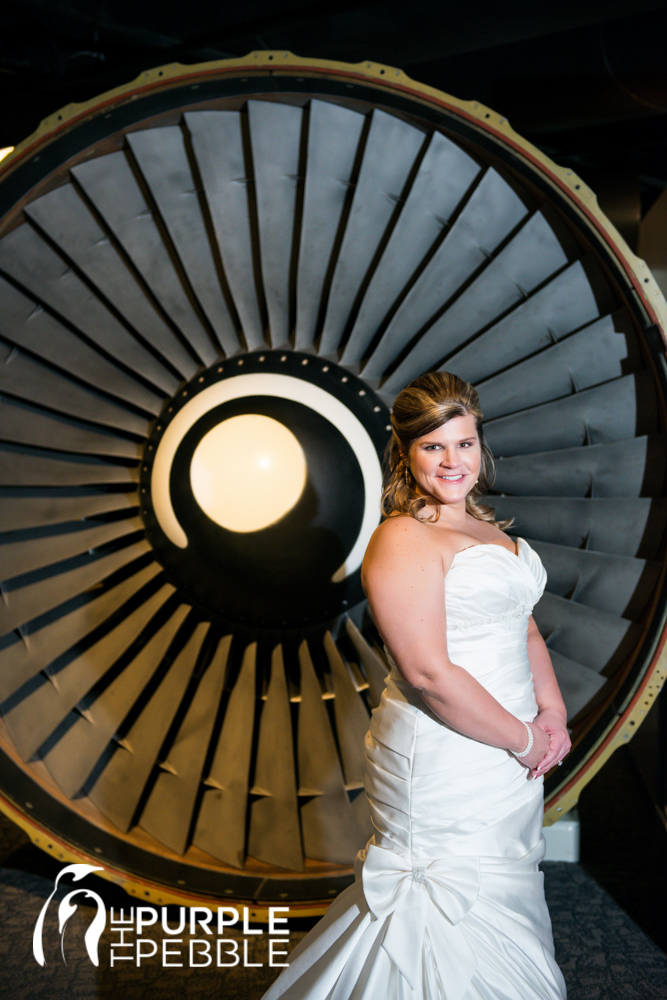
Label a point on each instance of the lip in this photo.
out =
(452, 479)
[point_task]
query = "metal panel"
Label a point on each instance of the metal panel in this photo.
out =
(565, 303)
(21, 606)
(602, 351)
(444, 177)
(388, 158)
(34, 651)
(32, 720)
(529, 258)
(275, 133)
(217, 141)
(327, 827)
(113, 189)
(624, 525)
(597, 639)
(490, 214)
(75, 754)
(66, 218)
(28, 379)
(577, 683)
(26, 323)
(351, 715)
(614, 583)
(22, 424)
(333, 139)
(374, 667)
(163, 161)
(168, 813)
(17, 512)
(35, 553)
(590, 471)
(119, 787)
(33, 469)
(274, 833)
(30, 261)
(222, 817)
(616, 410)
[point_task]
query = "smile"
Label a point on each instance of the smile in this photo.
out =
(452, 479)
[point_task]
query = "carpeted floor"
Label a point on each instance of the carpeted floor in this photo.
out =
(607, 912)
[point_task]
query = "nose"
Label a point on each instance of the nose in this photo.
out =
(448, 457)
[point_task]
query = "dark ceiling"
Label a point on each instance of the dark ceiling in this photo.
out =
(586, 80)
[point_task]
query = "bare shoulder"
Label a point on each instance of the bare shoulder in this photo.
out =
(398, 534)
(406, 544)
(400, 526)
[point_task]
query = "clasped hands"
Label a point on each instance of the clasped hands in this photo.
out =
(551, 742)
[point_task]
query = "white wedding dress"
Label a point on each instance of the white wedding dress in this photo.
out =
(448, 902)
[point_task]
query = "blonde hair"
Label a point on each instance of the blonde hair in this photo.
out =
(426, 403)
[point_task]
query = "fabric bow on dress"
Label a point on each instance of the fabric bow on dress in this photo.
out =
(416, 899)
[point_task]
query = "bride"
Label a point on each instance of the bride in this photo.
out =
(448, 902)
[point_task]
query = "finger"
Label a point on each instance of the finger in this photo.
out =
(561, 749)
(547, 762)
(560, 743)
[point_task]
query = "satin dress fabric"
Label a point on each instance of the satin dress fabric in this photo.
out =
(448, 900)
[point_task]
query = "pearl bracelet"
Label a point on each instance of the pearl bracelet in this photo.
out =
(524, 753)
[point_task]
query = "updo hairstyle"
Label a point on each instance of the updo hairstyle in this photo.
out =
(426, 403)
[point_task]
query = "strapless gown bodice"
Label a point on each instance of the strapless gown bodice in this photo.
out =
(491, 617)
(448, 902)
(513, 583)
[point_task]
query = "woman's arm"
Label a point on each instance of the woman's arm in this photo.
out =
(552, 717)
(403, 576)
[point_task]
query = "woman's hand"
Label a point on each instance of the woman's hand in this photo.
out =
(538, 751)
(553, 724)
(552, 717)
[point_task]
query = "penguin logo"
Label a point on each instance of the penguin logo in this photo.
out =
(65, 911)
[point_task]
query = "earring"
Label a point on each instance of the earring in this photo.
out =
(407, 475)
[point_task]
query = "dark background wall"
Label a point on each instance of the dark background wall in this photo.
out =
(585, 80)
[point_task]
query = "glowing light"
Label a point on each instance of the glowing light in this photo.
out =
(248, 472)
(282, 387)
(6, 151)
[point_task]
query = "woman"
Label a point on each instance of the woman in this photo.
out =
(448, 901)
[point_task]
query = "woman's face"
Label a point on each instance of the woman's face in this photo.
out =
(446, 462)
